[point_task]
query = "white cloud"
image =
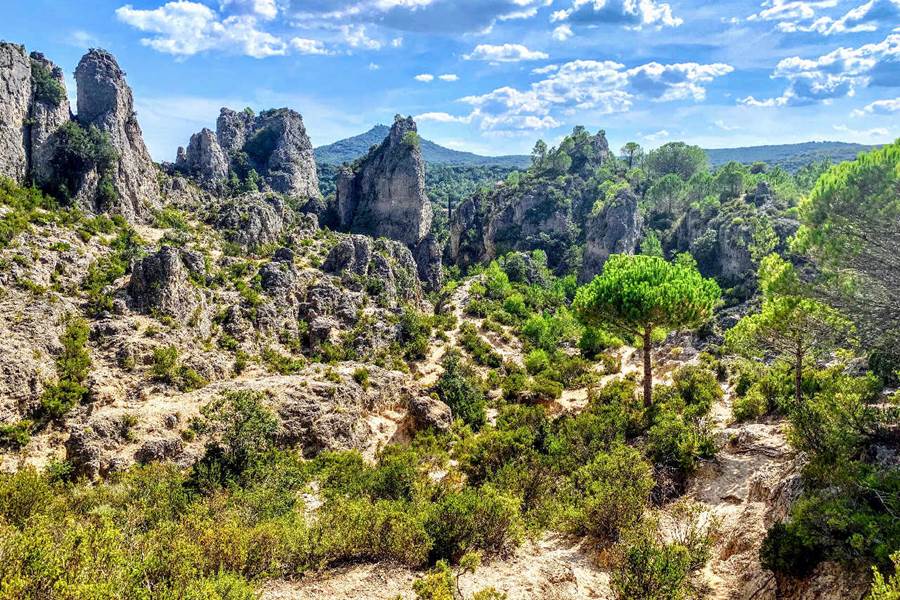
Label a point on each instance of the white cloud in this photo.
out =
(634, 14)
(308, 46)
(424, 77)
(442, 117)
(657, 136)
(374, 66)
(562, 33)
(448, 77)
(874, 134)
(355, 37)
(265, 9)
(504, 53)
(836, 74)
(879, 107)
(796, 16)
(185, 28)
(82, 39)
(600, 87)
(725, 126)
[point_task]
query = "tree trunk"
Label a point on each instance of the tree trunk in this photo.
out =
(648, 369)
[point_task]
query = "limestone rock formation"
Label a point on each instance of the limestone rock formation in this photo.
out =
(273, 144)
(253, 220)
(384, 196)
(15, 105)
(431, 412)
(380, 266)
(204, 159)
(49, 111)
(160, 283)
(105, 102)
(615, 230)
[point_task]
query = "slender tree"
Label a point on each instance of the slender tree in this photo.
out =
(637, 294)
(790, 325)
(632, 150)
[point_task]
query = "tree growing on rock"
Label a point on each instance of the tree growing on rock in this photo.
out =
(637, 294)
(790, 325)
(631, 151)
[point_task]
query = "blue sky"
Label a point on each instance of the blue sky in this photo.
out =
(493, 76)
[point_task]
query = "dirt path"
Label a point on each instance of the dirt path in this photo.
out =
(747, 488)
(430, 368)
(552, 568)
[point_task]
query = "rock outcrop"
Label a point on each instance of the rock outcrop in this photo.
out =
(159, 283)
(383, 267)
(15, 108)
(383, 195)
(49, 111)
(253, 220)
(273, 144)
(105, 102)
(616, 229)
(204, 160)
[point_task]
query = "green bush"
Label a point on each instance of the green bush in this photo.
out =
(46, 88)
(167, 368)
(482, 352)
(459, 387)
(610, 492)
(473, 519)
(786, 549)
(77, 151)
(414, 333)
(15, 435)
(651, 568)
(72, 367)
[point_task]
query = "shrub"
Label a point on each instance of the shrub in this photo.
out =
(678, 443)
(786, 550)
(650, 568)
(458, 387)
(361, 376)
(167, 368)
(46, 88)
(481, 351)
(72, 367)
(15, 435)
(280, 363)
(544, 389)
(414, 332)
(77, 151)
(473, 519)
(886, 589)
(611, 492)
(537, 360)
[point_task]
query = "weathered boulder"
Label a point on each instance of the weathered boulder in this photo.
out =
(431, 412)
(161, 449)
(253, 220)
(204, 159)
(615, 230)
(15, 108)
(159, 283)
(105, 102)
(382, 267)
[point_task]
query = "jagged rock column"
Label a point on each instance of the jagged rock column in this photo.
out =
(615, 230)
(49, 111)
(105, 101)
(15, 103)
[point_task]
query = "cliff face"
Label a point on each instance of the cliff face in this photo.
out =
(35, 144)
(274, 144)
(616, 229)
(105, 102)
(384, 196)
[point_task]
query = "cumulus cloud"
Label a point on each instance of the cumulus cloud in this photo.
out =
(424, 78)
(308, 46)
(184, 28)
(635, 14)
(874, 134)
(562, 33)
(602, 87)
(504, 53)
(265, 9)
(879, 107)
(423, 16)
(793, 16)
(836, 74)
(449, 77)
(355, 37)
(657, 136)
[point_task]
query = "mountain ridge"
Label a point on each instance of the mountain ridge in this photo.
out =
(788, 156)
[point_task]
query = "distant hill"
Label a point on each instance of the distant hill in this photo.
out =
(788, 156)
(352, 148)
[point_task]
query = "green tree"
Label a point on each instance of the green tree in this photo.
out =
(637, 294)
(730, 179)
(666, 194)
(850, 228)
(887, 589)
(678, 158)
(797, 328)
(632, 150)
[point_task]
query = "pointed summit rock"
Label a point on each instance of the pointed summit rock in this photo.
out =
(105, 102)
(15, 105)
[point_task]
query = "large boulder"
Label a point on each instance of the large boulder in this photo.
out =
(159, 283)
(105, 102)
(15, 106)
(616, 229)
